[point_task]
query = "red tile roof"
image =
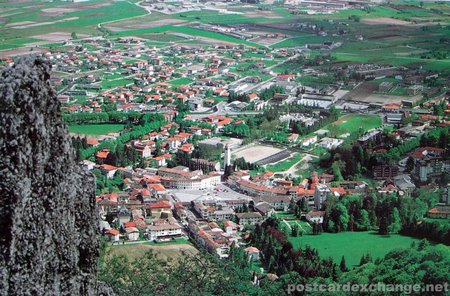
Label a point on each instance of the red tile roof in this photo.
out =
(157, 187)
(163, 204)
(422, 152)
(108, 167)
(129, 224)
(92, 142)
(102, 154)
(112, 232)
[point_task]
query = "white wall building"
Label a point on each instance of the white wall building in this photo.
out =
(165, 230)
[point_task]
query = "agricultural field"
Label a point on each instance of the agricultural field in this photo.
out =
(193, 33)
(95, 129)
(236, 16)
(54, 21)
(352, 245)
(302, 41)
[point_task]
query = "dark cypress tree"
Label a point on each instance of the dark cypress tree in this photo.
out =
(342, 265)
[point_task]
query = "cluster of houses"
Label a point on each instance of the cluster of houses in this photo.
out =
(133, 76)
(137, 77)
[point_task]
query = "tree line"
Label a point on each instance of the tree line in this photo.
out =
(148, 123)
(102, 117)
(350, 162)
(205, 274)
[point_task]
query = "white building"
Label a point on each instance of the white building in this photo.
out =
(330, 143)
(320, 195)
(132, 233)
(315, 216)
(227, 156)
(250, 218)
(193, 183)
(309, 141)
(164, 230)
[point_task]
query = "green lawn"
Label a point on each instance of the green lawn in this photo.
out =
(211, 16)
(180, 81)
(116, 83)
(95, 129)
(185, 30)
(284, 165)
(352, 124)
(17, 42)
(172, 249)
(352, 245)
(303, 40)
(285, 215)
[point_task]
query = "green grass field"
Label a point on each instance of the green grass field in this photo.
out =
(352, 245)
(285, 164)
(211, 16)
(95, 129)
(352, 124)
(180, 81)
(185, 30)
(115, 83)
(302, 40)
(81, 20)
(173, 249)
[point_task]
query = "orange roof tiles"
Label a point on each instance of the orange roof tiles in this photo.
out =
(103, 154)
(163, 204)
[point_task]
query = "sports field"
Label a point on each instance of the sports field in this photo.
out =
(284, 165)
(352, 245)
(256, 152)
(95, 129)
(352, 124)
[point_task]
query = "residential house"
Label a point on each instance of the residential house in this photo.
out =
(384, 171)
(252, 253)
(264, 208)
(249, 218)
(277, 202)
(315, 216)
(309, 141)
(429, 163)
(161, 209)
(165, 230)
(108, 170)
(101, 156)
(113, 235)
(320, 195)
(132, 233)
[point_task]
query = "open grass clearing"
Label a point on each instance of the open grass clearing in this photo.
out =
(162, 250)
(352, 124)
(285, 165)
(352, 245)
(95, 129)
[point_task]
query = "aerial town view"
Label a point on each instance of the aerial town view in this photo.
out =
(193, 147)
